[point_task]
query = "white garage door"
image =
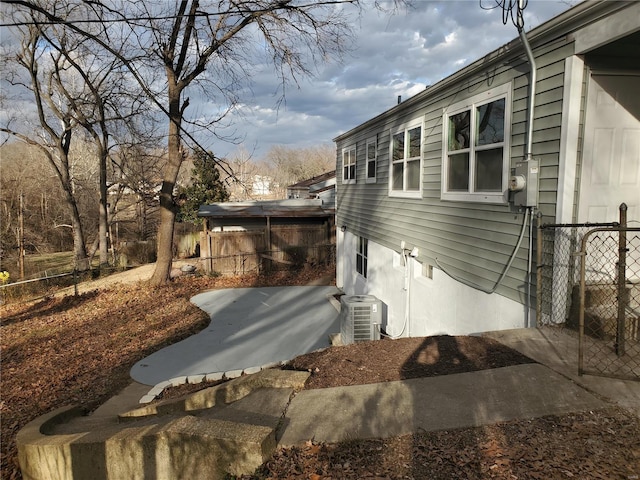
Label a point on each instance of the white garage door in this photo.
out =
(611, 156)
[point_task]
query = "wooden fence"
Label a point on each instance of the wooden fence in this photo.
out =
(255, 250)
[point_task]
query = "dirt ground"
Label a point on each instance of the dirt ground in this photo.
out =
(602, 444)
(588, 445)
(78, 350)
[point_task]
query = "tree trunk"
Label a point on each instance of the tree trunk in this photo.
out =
(162, 272)
(103, 225)
(79, 248)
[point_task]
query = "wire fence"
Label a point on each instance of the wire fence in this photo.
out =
(609, 303)
(263, 262)
(589, 287)
(42, 286)
(559, 273)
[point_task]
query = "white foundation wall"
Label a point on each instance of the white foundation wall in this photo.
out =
(437, 305)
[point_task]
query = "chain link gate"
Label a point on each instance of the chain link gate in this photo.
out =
(588, 286)
(610, 303)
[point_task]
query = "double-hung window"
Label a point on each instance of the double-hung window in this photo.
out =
(349, 164)
(361, 256)
(476, 148)
(406, 160)
(372, 156)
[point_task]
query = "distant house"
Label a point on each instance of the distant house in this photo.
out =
(426, 218)
(321, 186)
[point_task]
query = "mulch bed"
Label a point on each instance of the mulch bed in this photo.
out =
(388, 360)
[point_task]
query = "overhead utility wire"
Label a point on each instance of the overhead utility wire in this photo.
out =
(282, 5)
(510, 10)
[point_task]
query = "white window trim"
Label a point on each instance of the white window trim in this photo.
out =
(346, 179)
(405, 128)
(502, 91)
(371, 141)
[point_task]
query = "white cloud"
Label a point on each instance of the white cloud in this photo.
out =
(393, 55)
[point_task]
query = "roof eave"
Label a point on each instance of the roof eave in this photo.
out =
(562, 24)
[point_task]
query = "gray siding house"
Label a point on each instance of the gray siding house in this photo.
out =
(436, 196)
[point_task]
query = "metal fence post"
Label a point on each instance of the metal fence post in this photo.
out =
(583, 255)
(539, 271)
(622, 288)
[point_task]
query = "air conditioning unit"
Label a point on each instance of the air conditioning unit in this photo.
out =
(360, 318)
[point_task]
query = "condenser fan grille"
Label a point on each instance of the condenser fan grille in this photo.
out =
(360, 318)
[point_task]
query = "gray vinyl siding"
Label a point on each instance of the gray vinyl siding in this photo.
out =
(474, 241)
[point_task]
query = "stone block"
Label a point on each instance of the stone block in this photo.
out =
(193, 379)
(214, 377)
(147, 398)
(177, 381)
(233, 374)
(155, 391)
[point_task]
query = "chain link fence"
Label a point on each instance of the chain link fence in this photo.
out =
(588, 286)
(559, 274)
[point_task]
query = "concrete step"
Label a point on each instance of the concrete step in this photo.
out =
(226, 429)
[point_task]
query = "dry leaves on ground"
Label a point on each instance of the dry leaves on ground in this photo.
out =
(78, 350)
(388, 360)
(588, 445)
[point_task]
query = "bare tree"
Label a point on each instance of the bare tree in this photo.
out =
(135, 187)
(98, 97)
(203, 36)
(105, 104)
(291, 165)
(244, 173)
(210, 45)
(55, 123)
(22, 169)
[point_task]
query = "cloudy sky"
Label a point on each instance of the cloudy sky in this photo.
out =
(393, 55)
